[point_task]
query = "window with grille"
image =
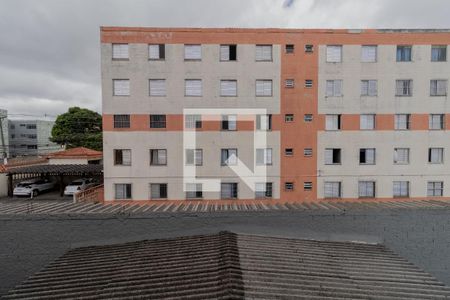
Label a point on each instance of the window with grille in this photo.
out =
(264, 88)
(436, 155)
(438, 53)
(288, 186)
(229, 157)
(333, 122)
(401, 156)
(332, 156)
(367, 156)
(194, 190)
(122, 191)
(402, 121)
(122, 157)
(438, 87)
(404, 53)
(193, 87)
(228, 52)
(158, 190)
(228, 88)
(229, 190)
(192, 52)
(367, 122)
(263, 156)
(401, 188)
(436, 122)
(157, 87)
(289, 83)
(289, 151)
(289, 48)
(309, 48)
(366, 189)
(121, 87)
(308, 117)
(157, 121)
(308, 152)
(403, 87)
(120, 51)
(263, 52)
(121, 121)
(368, 53)
(156, 52)
(334, 88)
(158, 157)
(194, 157)
(289, 118)
(307, 186)
(193, 121)
(308, 83)
(332, 189)
(435, 188)
(264, 122)
(263, 190)
(334, 53)
(369, 88)
(229, 122)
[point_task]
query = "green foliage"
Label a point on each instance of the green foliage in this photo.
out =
(79, 127)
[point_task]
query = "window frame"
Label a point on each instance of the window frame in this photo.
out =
(234, 190)
(223, 163)
(123, 123)
(267, 192)
(161, 53)
(264, 59)
(150, 87)
(158, 124)
(192, 45)
(365, 194)
(116, 80)
(152, 163)
(116, 160)
(160, 185)
(120, 58)
(222, 81)
(128, 191)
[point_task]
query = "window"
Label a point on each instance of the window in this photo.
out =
(333, 122)
(309, 48)
(156, 52)
(229, 122)
(263, 157)
(289, 151)
(32, 136)
(192, 52)
(263, 52)
(436, 122)
(334, 54)
(332, 189)
(307, 186)
(402, 121)
(366, 189)
(120, 51)
(368, 53)
(121, 87)
(289, 118)
(158, 190)
(289, 83)
(367, 156)
(264, 88)
(157, 87)
(308, 117)
(404, 53)
(288, 186)
(436, 155)
(369, 88)
(31, 146)
(439, 53)
(228, 157)
(194, 190)
(121, 121)
(289, 48)
(367, 122)
(401, 156)
(193, 87)
(194, 157)
(307, 152)
(229, 190)
(264, 122)
(193, 121)
(435, 188)
(228, 53)
(158, 157)
(438, 87)
(403, 87)
(308, 83)
(228, 88)
(122, 191)
(31, 126)
(263, 190)
(332, 156)
(122, 157)
(334, 88)
(157, 121)
(401, 188)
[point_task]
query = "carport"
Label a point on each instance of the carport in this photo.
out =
(60, 172)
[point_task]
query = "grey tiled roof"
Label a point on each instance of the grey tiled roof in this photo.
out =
(231, 266)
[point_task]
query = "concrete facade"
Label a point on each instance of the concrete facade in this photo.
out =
(4, 148)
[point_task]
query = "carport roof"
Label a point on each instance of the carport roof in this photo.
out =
(59, 170)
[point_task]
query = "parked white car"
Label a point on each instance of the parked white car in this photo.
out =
(33, 187)
(79, 185)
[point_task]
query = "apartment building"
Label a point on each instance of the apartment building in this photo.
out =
(346, 114)
(30, 137)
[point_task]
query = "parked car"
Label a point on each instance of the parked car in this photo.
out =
(79, 185)
(33, 187)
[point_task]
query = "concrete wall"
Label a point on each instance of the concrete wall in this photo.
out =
(3, 185)
(68, 161)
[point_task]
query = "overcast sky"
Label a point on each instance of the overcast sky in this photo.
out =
(49, 49)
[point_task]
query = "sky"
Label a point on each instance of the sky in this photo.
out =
(49, 49)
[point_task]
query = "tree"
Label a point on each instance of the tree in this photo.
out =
(79, 127)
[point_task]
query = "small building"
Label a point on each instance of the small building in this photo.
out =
(75, 156)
